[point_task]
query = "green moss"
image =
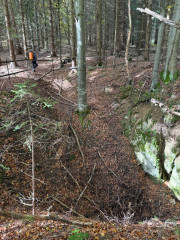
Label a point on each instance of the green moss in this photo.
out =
(125, 91)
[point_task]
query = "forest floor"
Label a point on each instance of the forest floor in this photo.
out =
(92, 170)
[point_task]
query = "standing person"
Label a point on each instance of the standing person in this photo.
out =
(34, 61)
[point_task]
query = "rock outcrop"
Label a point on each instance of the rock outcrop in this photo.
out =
(154, 132)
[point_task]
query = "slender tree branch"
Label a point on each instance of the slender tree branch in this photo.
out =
(65, 206)
(159, 17)
(86, 185)
(77, 140)
(108, 167)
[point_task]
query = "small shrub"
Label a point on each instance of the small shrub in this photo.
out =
(77, 235)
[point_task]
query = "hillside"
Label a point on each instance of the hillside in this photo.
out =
(84, 166)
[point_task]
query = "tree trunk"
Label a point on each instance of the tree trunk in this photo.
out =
(45, 27)
(104, 30)
(99, 32)
(80, 31)
(155, 77)
(148, 32)
(23, 29)
(173, 44)
(53, 51)
(37, 24)
(60, 39)
(30, 27)
(18, 47)
(73, 32)
(142, 26)
(127, 44)
(117, 29)
(8, 26)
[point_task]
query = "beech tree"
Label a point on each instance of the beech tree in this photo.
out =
(80, 30)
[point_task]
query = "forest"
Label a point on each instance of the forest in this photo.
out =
(89, 119)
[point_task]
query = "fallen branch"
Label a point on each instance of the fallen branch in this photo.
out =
(44, 75)
(86, 185)
(71, 176)
(9, 74)
(159, 17)
(42, 218)
(91, 201)
(77, 140)
(65, 206)
(161, 105)
(108, 167)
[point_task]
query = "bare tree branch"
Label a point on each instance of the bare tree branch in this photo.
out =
(86, 185)
(159, 17)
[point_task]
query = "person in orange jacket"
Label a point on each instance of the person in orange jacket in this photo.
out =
(34, 61)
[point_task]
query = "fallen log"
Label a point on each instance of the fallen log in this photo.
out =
(53, 217)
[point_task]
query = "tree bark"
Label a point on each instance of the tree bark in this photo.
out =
(45, 28)
(142, 26)
(80, 31)
(73, 32)
(155, 77)
(99, 32)
(18, 47)
(127, 44)
(37, 24)
(8, 26)
(30, 26)
(173, 44)
(117, 29)
(60, 37)
(53, 49)
(23, 29)
(148, 33)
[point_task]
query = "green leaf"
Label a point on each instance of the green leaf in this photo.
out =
(3, 167)
(19, 126)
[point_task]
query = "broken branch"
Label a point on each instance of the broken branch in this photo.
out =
(159, 17)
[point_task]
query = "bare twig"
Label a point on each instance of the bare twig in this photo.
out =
(108, 167)
(71, 176)
(91, 201)
(86, 185)
(77, 140)
(45, 75)
(65, 206)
